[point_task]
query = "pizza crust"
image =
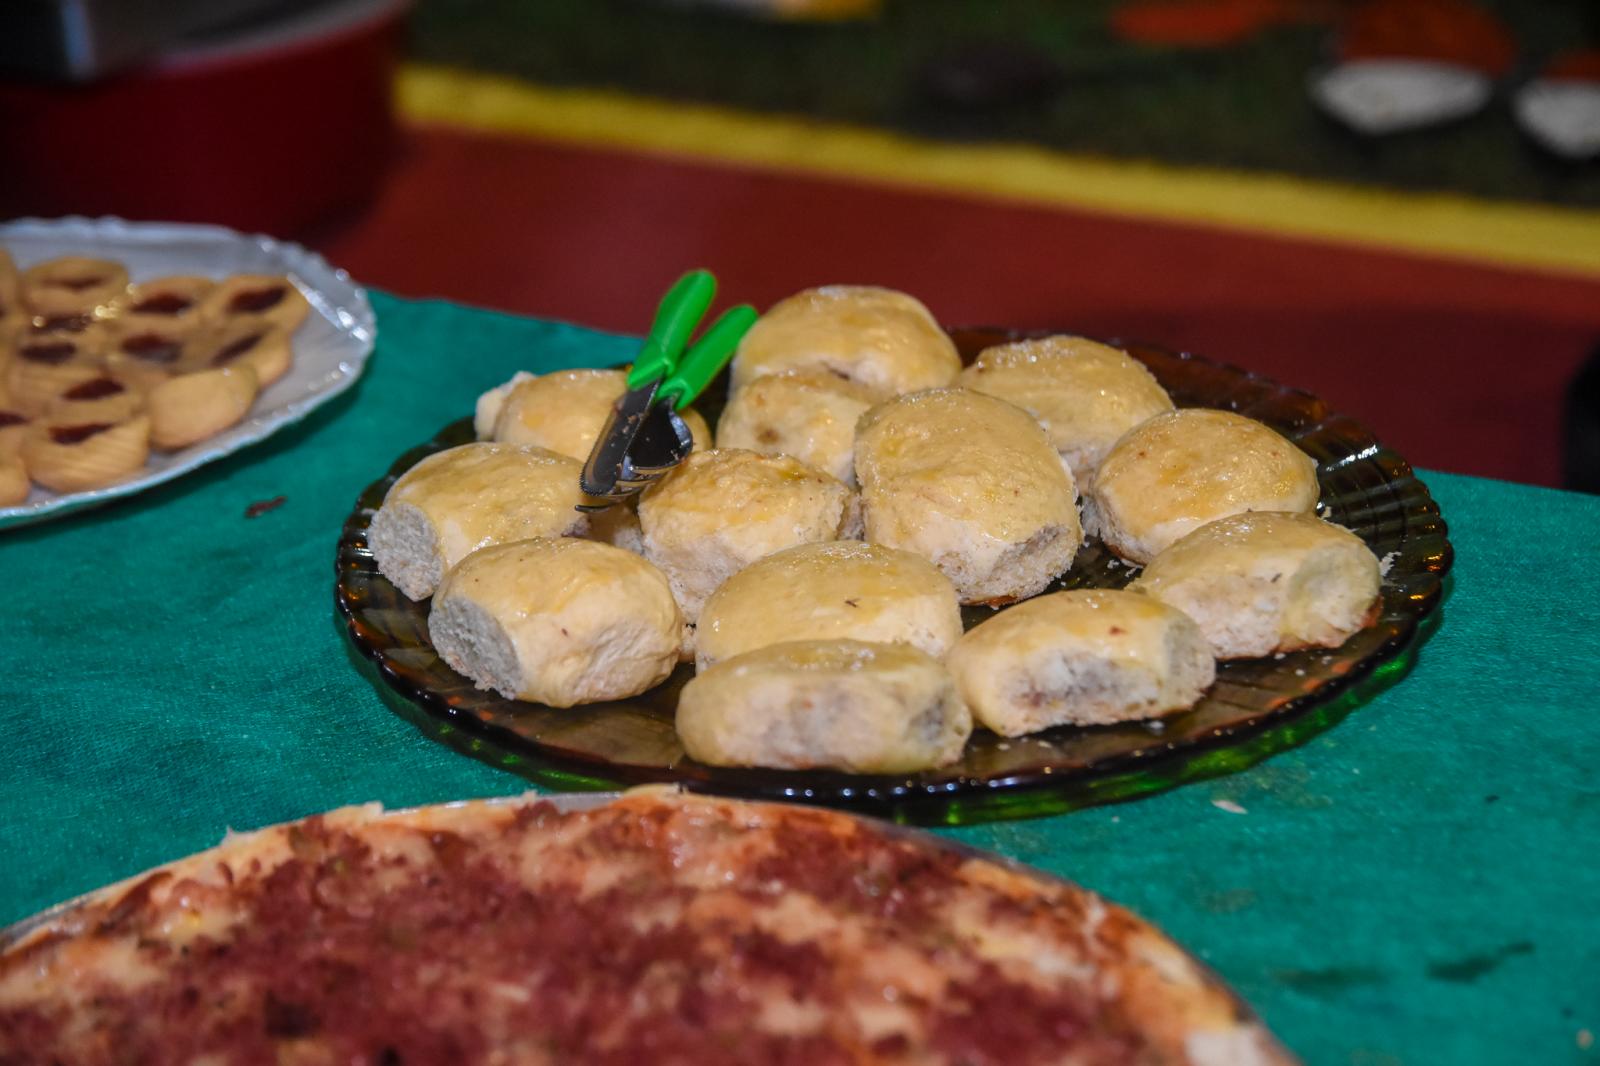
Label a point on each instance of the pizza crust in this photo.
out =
(1004, 916)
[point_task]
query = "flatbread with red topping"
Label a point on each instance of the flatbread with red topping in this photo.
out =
(657, 928)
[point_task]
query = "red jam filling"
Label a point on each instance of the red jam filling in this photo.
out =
(152, 348)
(12, 418)
(98, 389)
(48, 354)
(77, 434)
(163, 303)
(63, 324)
(233, 351)
(77, 284)
(257, 300)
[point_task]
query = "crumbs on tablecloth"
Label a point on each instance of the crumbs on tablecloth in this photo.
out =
(1229, 806)
(261, 507)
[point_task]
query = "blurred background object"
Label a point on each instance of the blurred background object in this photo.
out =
(265, 116)
(1392, 203)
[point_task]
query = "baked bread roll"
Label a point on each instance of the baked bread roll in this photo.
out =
(1267, 581)
(191, 407)
(830, 591)
(76, 456)
(882, 339)
(723, 509)
(1084, 657)
(259, 298)
(618, 525)
(557, 621)
(462, 499)
(72, 285)
(970, 483)
(1180, 470)
(1085, 394)
(487, 409)
(809, 414)
(564, 411)
(825, 704)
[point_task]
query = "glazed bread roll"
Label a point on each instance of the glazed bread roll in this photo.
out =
(563, 412)
(487, 410)
(462, 499)
(1084, 393)
(1180, 470)
(970, 483)
(879, 338)
(835, 590)
(721, 510)
(1268, 581)
(1084, 657)
(618, 525)
(809, 414)
(557, 621)
(833, 704)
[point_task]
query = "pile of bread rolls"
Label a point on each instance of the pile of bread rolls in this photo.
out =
(863, 487)
(96, 372)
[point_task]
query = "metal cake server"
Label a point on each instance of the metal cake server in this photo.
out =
(645, 437)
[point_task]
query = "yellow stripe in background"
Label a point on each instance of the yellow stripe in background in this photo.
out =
(1555, 239)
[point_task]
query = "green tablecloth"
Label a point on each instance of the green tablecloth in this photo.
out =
(1419, 885)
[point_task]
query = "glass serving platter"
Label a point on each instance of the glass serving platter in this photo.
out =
(1256, 707)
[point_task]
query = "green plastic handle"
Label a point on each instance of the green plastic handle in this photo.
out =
(708, 356)
(681, 309)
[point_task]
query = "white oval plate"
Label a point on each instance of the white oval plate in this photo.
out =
(330, 349)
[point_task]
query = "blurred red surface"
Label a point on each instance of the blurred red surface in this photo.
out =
(271, 135)
(1460, 366)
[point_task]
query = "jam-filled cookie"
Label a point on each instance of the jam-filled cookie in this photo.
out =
(14, 484)
(13, 427)
(47, 365)
(255, 343)
(102, 399)
(166, 305)
(144, 354)
(72, 285)
(258, 297)
(78, 456)
(10, 291)
(84, 324)
(191, 407)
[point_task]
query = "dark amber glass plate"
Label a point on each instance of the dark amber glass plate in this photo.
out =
(1256, 707)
